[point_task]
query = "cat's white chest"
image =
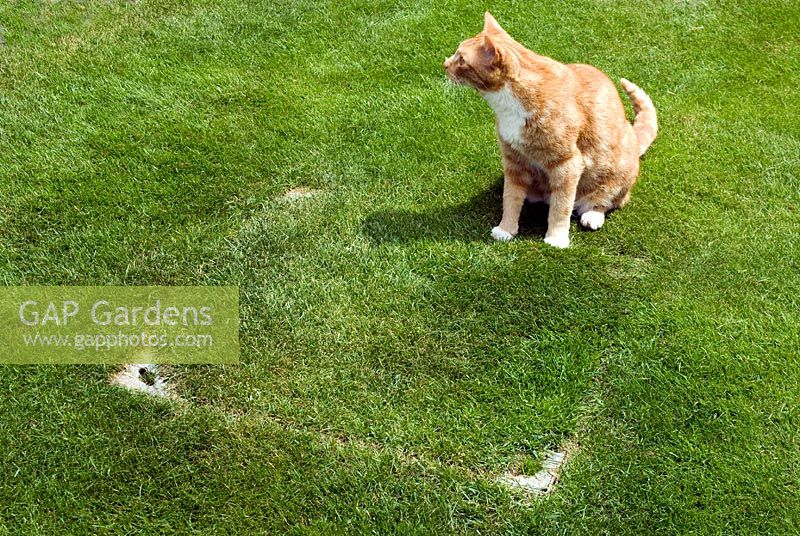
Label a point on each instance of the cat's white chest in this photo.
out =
(511, 115)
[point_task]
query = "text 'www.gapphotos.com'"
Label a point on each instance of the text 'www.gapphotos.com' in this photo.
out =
(120, 340)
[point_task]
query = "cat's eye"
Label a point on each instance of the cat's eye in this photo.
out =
(461, 60)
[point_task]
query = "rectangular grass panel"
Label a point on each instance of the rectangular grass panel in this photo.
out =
(394, 360)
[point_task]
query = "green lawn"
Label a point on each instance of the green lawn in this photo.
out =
(395, 360)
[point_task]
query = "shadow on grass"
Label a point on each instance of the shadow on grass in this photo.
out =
(468, 222)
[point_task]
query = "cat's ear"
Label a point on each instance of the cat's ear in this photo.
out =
(491, 26)
(489, 54)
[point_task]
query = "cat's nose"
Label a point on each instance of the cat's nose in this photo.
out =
(446, 62)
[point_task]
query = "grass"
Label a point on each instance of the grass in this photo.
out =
(395, 360)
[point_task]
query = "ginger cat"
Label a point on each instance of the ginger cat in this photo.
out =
(563, 133)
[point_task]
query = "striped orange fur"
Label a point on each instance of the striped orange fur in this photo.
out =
(563, 134)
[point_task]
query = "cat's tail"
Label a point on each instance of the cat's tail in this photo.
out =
(645, 123)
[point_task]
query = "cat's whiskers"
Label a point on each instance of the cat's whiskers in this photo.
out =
(450, 88)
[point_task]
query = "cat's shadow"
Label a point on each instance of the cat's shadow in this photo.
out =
(467, 222)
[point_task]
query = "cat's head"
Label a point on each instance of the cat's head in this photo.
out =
(481, 61)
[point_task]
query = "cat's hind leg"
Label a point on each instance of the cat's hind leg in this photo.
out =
(594, 219)
(592, 211)
(592, 208)
(593, 215)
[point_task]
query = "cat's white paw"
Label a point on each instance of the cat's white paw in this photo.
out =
(501, 235)
(558, 241)
(593, 220)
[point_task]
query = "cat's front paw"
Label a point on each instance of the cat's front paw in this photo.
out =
(501, 235)
(558, 241)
